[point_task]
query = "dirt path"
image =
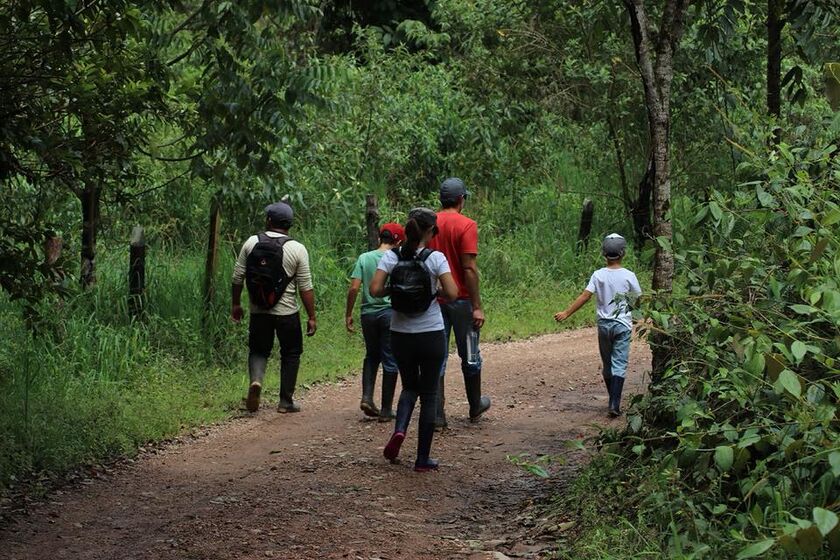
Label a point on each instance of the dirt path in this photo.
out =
(315, 484)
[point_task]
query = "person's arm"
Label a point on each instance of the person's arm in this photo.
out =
(237, 282)
(448, 287)
(377, 285)
(352, 293)
(470, 266)
(236, 312)
(577, 304)
(308, 299)
(303, 278)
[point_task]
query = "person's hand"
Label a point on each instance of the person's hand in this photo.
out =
(311, 326)
(478, 318)
(561, 316)
(348, 323)
(236, 313)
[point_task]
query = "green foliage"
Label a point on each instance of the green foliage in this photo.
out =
(735, 447)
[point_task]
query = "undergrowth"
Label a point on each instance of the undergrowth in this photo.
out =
(735, 451)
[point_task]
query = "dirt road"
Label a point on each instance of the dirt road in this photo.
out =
(315, 484)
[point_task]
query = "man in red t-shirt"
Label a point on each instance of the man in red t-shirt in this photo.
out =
(458, 240)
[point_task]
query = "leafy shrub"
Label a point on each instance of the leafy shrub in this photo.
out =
(742, 431)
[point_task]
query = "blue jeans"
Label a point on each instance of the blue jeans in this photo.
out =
(614, 345)
(376, 328)
(457, 317)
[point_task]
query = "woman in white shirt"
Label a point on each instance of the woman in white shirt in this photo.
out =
(417, 338)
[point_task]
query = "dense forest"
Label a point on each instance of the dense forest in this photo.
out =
(707, 132)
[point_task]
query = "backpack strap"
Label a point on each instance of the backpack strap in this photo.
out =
(425, 254)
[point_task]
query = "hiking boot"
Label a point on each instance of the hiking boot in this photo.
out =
(252, 403)
(479, 404)
(426, 465)
(392, 448)
(440, 413)
(286, 407)
(389, 385)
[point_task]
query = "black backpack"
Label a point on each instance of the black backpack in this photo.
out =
(411, 284)
(264, 273)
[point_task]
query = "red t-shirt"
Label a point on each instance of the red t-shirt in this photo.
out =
(458, 236)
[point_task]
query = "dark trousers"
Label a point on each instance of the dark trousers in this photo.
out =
(262, 329)
(419, 358)
(376, 329)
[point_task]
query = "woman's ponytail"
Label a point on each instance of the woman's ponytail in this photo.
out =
(413, 237)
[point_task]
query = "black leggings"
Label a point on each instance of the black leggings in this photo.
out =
(419, 357)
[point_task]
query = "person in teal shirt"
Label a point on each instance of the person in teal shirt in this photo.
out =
(376, 325)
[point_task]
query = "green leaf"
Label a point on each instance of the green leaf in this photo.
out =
(831, 218)
(803, 309)
(717, 214)
(724, 457)
(756, 548)
(755, 365)
(798, 349)
(834, 461)
(765, 198)
(789, 382)
(825, 520)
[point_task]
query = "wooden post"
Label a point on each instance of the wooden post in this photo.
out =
(372, 221)
(136, 271)
(212, 261)
(585, 224)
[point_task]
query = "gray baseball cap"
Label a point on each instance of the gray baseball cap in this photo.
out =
(452, 188)
(425, 216)
(613, 246)
(279, 212)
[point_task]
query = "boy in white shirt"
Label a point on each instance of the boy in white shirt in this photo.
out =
(614, 320)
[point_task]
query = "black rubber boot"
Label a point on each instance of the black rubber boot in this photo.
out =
(288, 381)
(368, 384)
(389, 385)
(479, 404)
(425, 435)
(440, 412)
(256, 372)
(616, 387)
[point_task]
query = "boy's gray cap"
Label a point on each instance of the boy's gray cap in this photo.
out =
(452, 188)
(279, 212)
(613, 246)
(425, 216)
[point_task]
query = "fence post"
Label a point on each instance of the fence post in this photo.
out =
(372, 221)
(136, 271)
(212, 261)
(585, 224)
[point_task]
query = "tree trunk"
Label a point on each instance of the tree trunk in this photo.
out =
(211, 262)
(654, 56)
(136, 271)
(372, 221)
(585, 225)
(89, 198)
(774, 63)
(641, 208)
